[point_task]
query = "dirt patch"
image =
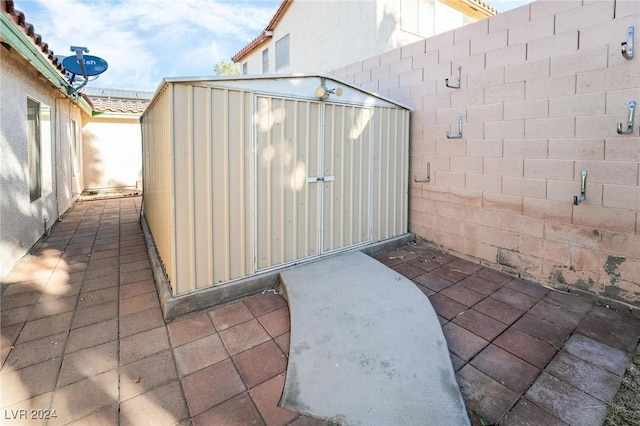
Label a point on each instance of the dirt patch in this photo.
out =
(625, 407)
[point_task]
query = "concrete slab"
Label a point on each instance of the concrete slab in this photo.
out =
(366, 347)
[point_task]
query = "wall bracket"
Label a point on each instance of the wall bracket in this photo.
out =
(457, 85)
(627, 46)
(583, 190)
(427, 179)
(629, 129)
(459, 135)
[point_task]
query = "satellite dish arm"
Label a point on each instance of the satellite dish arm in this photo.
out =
(79, 57)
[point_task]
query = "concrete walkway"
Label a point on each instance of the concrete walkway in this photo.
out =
(366, 347)
(83, 335)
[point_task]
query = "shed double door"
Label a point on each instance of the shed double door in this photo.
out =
(313, 179)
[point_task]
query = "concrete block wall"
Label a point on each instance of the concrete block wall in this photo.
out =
(542, 90)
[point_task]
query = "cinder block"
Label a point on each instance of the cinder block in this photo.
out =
(627, 7)
(485, 217)
(402, 94)
(380, 72)
(618, 100)
(557, 251)
(548, 169)
(354, 68)
(449, 210)
(599, 126)
(451, 241)
(340, 72)
(401, 66)
(484, 113)
(534, 188)
(576, 105)
(362, 77)
(595, 13)
(549, 210)
(546, 8)
(480, 250)
(441, 84)
(458, 50)
(585, 258)
(449, 179)
(465, 197)
(448, 147)
(605, 218)
(626, 197)
(489, 42)
(527, 70)
(505, 92)
(387, 83)
(373, 62)
(609, 172)
(420, 118)
(555, 45)
(467, 97)
(504, 166)
(616, 243)
(524, 33)
(438, 41)
(484, 147)
(609, 79)
(541, 128)
(486, 78)
(420, 90)
(470, 130)
(411, 77)
(531, 246)
(425, 60)
(622, 149)
(413, 49)
(576, 149)
(549, 87)
(466, 164)
(513, 18)
(498, 238)
(471, 31)
(483, 183)
(511, 129)
(529, 148)
(438, 72)
(532, 108)
(450, 116)
(391, 56)
(583, 60)
(370, 85)
(469, 64)
(530, 226)
(514, 54)
(435, 192)
(562, 190)
(436, 102)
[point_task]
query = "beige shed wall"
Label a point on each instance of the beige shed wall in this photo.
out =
(543, 88)
(22, 223)
(200, 170)
(112, 151)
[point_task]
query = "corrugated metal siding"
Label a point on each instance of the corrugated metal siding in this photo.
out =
(347, 143)
(158, 178)
(288, 152)
(391, 172)
(213, 191)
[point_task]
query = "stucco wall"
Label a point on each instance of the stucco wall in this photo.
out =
(22, 223)
(325, 35)
(112, 152)
(543, 88)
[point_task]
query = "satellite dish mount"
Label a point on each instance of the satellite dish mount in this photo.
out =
(84, 66)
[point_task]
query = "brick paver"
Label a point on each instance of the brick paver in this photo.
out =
(83, 334)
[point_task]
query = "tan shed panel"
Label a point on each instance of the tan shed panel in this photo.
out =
(239, 181)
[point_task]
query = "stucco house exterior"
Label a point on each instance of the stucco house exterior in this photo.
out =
(40, 141)
(112, 144)
(318, 36)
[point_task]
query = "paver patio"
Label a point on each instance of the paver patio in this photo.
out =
(83, 334)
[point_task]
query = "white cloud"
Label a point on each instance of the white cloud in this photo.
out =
(146, 40)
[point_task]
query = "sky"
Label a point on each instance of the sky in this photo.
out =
(146, 40)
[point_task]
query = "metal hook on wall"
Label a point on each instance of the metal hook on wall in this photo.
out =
(428, 179)
(457, 85)
(629, 130)
(627, 46)
(583, 190)
(459, 135)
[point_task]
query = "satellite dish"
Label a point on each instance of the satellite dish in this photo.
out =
(93, 65)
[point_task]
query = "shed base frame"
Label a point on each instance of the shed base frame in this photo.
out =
(174, 307)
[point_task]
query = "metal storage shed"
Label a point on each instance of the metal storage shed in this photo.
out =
(246, 175)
